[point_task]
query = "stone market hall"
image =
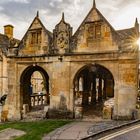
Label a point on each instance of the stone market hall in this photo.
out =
(73, 74)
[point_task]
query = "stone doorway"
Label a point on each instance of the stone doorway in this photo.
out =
(93, 85)
(34, 89)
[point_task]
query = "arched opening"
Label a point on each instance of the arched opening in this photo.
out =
(93, 85)
(34, 88)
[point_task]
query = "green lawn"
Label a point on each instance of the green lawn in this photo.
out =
(34, 130)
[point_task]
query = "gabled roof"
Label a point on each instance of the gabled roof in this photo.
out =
(99, 13)
(36, 18)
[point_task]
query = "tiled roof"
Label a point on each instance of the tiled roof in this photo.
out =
(5, 42)
(126, 33)
(128, 37)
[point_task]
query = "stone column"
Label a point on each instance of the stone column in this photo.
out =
(100, 90)
(76, 86)
(104, 90)
(93, 92)
(85, 98)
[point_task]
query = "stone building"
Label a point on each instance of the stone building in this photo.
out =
(83, 69)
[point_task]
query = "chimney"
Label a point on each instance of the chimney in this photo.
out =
(8, 31)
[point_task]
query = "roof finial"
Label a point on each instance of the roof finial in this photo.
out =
(63, 16)
(94, 4)
(137, 26)
(136, 21)
(37, 14)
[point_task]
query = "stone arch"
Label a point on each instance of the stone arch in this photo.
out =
(28, 98)
(80, 67)
(98, 85)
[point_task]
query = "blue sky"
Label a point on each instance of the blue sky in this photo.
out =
(20, 13)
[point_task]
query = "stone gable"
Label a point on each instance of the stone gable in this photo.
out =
(78, 70)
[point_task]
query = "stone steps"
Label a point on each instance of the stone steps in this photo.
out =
(34, 115)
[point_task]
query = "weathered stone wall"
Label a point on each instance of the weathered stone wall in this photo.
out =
(62, 56)
(125, 102)
(62, 74)
(3, 76)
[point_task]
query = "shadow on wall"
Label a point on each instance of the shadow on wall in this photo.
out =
(62, 104)
(61, 112)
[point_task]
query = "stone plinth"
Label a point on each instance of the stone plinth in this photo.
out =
(78, 112)
(107, 112)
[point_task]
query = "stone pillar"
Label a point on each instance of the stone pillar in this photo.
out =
(100, 90)
(78, 80)
(76, 85)
(48, 93)
(93, 92)
(85, 98)
(60, 98)
(104, 90)
(48, 98)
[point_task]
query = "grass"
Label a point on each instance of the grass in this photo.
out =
(34, 130)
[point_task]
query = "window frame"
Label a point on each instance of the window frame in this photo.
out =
(35, 37)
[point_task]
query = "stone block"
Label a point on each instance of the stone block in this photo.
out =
(107, 112)
(60, 114)
(46, 108)
(46, 112)
(78, 112)
(4, 116)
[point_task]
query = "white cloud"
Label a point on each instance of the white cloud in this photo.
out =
(5, 20)
(19, 1)
(127, 19)
(52, 4)
(1, 8)
(19, 31)
(20, 13)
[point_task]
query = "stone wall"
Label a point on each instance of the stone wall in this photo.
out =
(62, 55)
(62, 75)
